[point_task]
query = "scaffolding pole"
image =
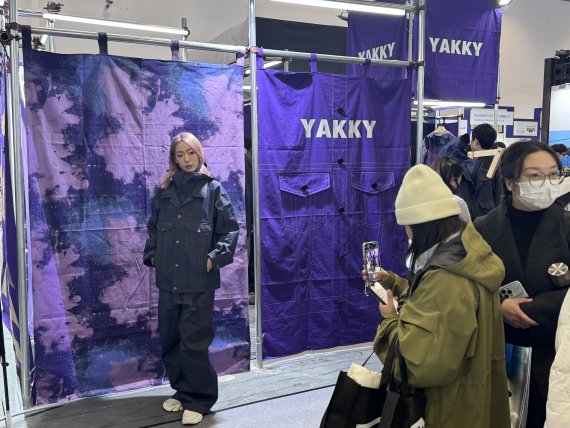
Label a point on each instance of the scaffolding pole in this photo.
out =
(420, 83)
(15, 146)
(91, 35)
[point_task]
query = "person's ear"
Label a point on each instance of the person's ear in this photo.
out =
(510, 183)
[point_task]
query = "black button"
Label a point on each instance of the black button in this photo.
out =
(340, 110)
(374, 185)
(340, 161)
(304, 188)
(341, 210)
(341, 257)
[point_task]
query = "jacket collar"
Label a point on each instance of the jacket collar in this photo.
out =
(200, 190)
(548, 234)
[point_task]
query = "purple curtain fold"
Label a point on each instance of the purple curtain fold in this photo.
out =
(332, 154)
(99, 129)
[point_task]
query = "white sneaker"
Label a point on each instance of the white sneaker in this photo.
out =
(191, 418)
(172, 405)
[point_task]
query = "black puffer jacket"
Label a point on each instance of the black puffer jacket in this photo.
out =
(192, 219)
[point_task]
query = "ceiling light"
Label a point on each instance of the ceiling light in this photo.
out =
(442, 104)
(269, 64)
(118, 24)
(356, 6)
(503, 3)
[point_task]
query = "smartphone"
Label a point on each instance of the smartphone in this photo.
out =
(380, 293)
(512, 289)
(371, 258)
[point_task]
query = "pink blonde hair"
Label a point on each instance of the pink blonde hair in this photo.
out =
(194, 143)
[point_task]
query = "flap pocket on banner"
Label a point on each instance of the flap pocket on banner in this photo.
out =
(306, 199)
(373, 196)
(372, 181)
(304, 185)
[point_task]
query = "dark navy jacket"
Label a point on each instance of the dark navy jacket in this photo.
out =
(192, 219)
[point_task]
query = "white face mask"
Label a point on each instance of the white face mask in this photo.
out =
(538, 198)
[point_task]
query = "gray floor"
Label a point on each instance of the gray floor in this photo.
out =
(288, 378)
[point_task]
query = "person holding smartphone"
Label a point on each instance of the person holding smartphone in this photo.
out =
(529, 231)
(449, 324)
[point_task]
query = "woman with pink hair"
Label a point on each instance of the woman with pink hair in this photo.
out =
(192, 233)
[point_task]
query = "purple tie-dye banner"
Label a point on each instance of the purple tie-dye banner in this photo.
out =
(332, 154)
(98, 130)
(461, 48)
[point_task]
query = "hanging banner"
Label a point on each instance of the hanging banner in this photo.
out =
(99, 129)
(462, 50)
(367, 39)
(461, 47)
(332, 154)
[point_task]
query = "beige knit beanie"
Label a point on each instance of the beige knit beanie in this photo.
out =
(424, 197)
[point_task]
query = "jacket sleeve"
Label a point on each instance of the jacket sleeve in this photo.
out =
(558, 405)
(544, 309)
(150, 245)
(437, 328)
(226, 230)
(387, 327)
(397, 284)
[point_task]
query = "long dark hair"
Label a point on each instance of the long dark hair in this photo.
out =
(448, 169)
(513, 159)
(426, 235)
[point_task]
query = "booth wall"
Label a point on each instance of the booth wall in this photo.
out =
(532, 31)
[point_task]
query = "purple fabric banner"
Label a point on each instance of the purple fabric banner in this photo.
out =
(99, 128)
(377, 37)
(462, 47)
(332, 154)
(462, 50)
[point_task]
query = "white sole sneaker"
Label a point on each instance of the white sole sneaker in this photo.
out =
(191, 418)
(172, 405)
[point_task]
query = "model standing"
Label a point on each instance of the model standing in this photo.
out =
(192, 233)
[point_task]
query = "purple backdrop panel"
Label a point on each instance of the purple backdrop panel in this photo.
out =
(462, 50)
(98, 134)
(332, 153)
(377, 37)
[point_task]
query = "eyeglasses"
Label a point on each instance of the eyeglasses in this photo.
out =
(537, 179)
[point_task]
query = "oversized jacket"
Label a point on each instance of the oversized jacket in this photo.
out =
(451, 334)
(182, 234)
(550, 244)
(558, 405)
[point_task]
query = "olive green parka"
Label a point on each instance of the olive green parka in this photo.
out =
(451, 334)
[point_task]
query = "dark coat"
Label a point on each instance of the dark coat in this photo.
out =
(550, 244)
(182, 234)
(481, 193)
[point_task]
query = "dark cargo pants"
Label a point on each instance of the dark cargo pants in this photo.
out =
(185, 322)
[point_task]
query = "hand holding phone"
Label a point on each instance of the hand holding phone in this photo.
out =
(512, 290)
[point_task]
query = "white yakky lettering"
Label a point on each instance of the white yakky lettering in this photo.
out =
(353, 129)
(455, 47)
(379, 52)
(324, 129)
(308, 126)
(337, 128)
(369, 125)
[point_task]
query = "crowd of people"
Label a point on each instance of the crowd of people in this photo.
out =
(454, 323)
(471, 232)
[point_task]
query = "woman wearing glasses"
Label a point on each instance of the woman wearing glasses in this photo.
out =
(529, 232)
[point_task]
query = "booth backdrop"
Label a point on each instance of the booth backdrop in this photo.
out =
(461, 47)
(99, 129)
(332, 153)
